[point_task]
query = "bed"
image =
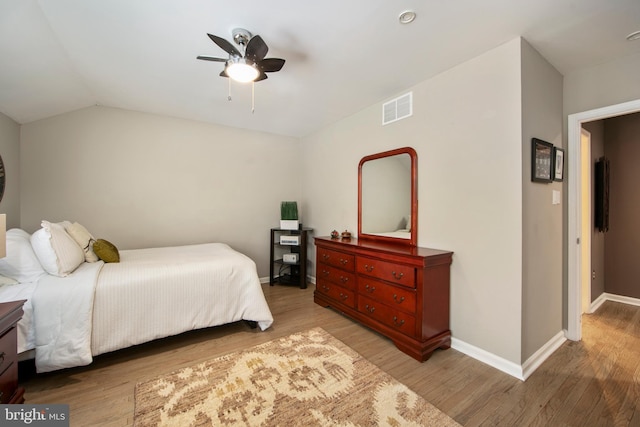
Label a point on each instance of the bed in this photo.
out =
(74, 313)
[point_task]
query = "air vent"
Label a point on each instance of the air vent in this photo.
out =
(397, 109)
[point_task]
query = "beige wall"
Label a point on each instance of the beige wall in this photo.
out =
(466, 129)
(542, 228)
(10, 152)
(142, 180)
(606, 84)
(622, 241)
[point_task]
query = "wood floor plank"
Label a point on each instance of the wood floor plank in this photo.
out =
(592, 382)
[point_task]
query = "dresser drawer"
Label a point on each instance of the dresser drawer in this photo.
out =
(389, 271)
(337, 293)
(336, 275)
(336, 259)
(8, 365)
(394, 296)
(395, 319)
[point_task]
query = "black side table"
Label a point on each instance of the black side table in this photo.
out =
(289, 257)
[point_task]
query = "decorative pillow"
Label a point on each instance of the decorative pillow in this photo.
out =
(106, 251)
(58, 253)
(21, 263)
(84, 239)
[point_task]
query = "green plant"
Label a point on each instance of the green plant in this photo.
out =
(289, 210)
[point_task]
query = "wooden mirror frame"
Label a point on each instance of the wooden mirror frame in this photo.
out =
(413, 241)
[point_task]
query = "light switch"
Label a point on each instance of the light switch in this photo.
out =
(555, 197)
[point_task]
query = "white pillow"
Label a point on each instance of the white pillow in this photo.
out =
(4, 280)
(84, 239)
(21, 262)
(58, 253)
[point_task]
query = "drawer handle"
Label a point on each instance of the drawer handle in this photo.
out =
(343, 261)
(325, 273)
(399, 301)
(326, 288)
(326, 256)
(370, 309)
(398, 276)
(395, 321)
(344, 279)
(369, 289)
(343, 297)
(368, 267)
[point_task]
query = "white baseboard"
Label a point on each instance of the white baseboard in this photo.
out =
(488, 358)
(597, 303)
(521, 372)
(543, 353)
(612, 297)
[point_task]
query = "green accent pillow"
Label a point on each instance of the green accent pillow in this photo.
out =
(106, 251)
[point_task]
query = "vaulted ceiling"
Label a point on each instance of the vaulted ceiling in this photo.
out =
(341, 56)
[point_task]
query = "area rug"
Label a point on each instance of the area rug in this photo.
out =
(306, 379)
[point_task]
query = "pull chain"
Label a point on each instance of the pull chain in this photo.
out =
(229, 96)
(253, 97)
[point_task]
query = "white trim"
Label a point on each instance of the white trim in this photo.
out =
(490, 359)
(543, 353)
(520, 372)
(614, 298)
(574, 312)
(597, 303)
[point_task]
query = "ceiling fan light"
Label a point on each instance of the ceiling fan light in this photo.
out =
(242, 71)
(634, 36)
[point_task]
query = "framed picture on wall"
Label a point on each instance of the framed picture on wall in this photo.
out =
(541, 160)
(558, 161)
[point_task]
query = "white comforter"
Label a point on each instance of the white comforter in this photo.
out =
(149, 294)
(62, 311)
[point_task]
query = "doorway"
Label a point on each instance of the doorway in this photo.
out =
(575, 206)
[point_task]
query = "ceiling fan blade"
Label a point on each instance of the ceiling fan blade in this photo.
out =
(261, 76)
(225, 45)
(223, 73)
(209, 58)
(256, 49)
(271, 65)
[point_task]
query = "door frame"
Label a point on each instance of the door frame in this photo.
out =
(574, 206)
(586, 210)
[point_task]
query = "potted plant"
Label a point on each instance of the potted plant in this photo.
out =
(289, 215)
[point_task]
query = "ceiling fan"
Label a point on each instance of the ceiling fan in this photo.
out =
(251, 66)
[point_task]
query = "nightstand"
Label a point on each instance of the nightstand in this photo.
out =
(10, 314)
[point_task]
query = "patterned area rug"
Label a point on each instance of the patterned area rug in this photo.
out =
(309, 378)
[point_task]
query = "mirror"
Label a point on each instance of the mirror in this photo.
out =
(388, 197)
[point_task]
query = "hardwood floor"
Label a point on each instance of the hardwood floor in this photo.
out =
(595, 382)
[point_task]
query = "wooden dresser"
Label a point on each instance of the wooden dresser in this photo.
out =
(399, 291)
(10, 314)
